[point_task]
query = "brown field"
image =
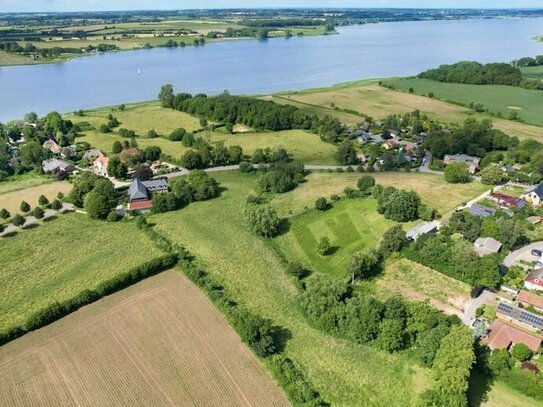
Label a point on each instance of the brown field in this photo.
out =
(12, 200)
(160, 342)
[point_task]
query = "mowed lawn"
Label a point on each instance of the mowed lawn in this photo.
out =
(367, 97)
(432, 189)
(141, 118)
(12, 200)
(534, 72)
(346, 374)
(58, 259)
(502, 99)
(160, 342)
(351, 225)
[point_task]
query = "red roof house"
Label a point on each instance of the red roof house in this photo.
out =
(530, 299)
(503, 336)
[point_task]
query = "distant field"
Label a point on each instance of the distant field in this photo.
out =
(28, 180)
(344, 373)
(304, 146)
(433, 189)
(160, 342)
(57, 260)
(12, 200)
(503, 99)
(535, 72)
(366, 97)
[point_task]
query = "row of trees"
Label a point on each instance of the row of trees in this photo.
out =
(203, 154)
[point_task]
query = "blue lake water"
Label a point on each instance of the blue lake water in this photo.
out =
(249, 67)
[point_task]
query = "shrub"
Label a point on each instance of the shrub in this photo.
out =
(4, 214)
(25, 207)
(56, 205)
(43, 201)
(521, 352)
(365, 184)
(18, 220)
(262, 220)
(322, 204)
(296, 270)
(38, 212)
(113, 216)
(324, 246)
(245, 167)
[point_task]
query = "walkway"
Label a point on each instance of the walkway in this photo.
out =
(29, 220)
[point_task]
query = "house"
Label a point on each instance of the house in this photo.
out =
(52, 146)
(534, 196)
(140, 193)
(520, 317)
(471, 162)
(68, 152)
(92, 154)
(394, 133)
(534, 280)
(508, 201)
(482, 211)
(486, 245)
(363, 138)
(389, 144)
(99, 167)
(528, 299)
(362, 158)
(508, 289)
(534, 220)
(54, 166)
(422, 229)
(129, 153)
(503, 336)
(366, 126)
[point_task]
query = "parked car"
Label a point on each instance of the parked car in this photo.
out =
(537, 252)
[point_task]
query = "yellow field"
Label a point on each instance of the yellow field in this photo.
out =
(160, 342)
(12, 200)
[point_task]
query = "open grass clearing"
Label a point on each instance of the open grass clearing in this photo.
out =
(23, 181)
(534, 72)
(159, 342)
(58, 259)
(432, 188)
(346, 374)
(12, 200)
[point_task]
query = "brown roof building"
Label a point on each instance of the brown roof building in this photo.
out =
(503, 336)
(529, 299)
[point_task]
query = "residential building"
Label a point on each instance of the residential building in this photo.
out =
(503, 336)
(471, 162)
(366, 127)
(528, 299)
(534, 280)
(508, 201)
(54, 166)
(520, 317)
(534, 195)
(52, 146)
(534, 220)
(99, 167)
(129, 153)
(140, 193)
(390, 144)
(422, 229)
(482, 211)
(92, 154)
(486, 245)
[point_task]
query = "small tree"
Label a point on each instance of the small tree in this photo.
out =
(321, 204)
(18, 220)
(361, 264)
(393, 240)
(262, 220)
(365, 184)
(4, 214)
(324, 246)
(43, 201)
(296, 270)
(25, 207)
(38, 212)
(521, 352)
(456, 173)
(117, 147)
(56, 205)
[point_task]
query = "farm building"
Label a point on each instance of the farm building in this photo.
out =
(482, 211)
(503, 336)
(534, 196)
(486, 245)
(471, 162)
(140, 193)
(529, 299)
(508, 201)
(534, 280)
(422, 229)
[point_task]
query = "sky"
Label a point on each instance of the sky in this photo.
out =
(91, 5)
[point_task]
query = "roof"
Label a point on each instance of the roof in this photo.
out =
(462, 158)
(93, 153)
(538, 190)
(534, 219)
(530, 299)
(482, 211)
(486, 245)
(141, 205)
(102, 159)
(422, 229)
(137, 191)
(54, 164)
(535, 276)
(502, 335)
(51, 145)
(131, 152)
(519, 315)
(156, 185)
(508, 200)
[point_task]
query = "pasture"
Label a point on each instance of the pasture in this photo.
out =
(56, 260)
(141, 118)
(495, 98)
(159, 342)
(252, 271)
(367, 97)
(534, 72)
(11, 200)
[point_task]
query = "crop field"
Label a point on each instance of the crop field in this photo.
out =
(159, 342)
(502, 99)
(12, 200)
(366, 97)
(58, 259)
(432, 188)
(141, 118)
(351, 225)
(346, 374)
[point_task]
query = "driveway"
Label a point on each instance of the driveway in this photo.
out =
(486, 297)
(523, 253)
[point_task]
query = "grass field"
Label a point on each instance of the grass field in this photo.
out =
(12, 200)
(351, 225)
(28, 180)
(502, 99)
(366, 97)
(56, 260)
(534, 72)
(160, 342)
(346, 374)
(141, 118)
(433, 190)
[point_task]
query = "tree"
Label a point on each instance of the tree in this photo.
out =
(393, 240)
(116, 168)
(43, 201)
(324, 246)
(456, 173)
(399, 205)
(152, 153)
(499, 362)
(101, 200)
(521, 352)
(346, 154)
(296, 270)
(391, 335)
(18, 220)
(4, 214)
(25, 207)
(56, 205)
(203, 122)
(492, 175)
(143, 173)
(235, 154)
(117, 147)
(182, 190)
(321, 204)
(177, 134)
(38, 212)
(365, 184)
(192, 159)
(262, 220)
(165, 202)
(166, 96)
(262, 34)
(202, 185)
(31, 117)
(361, 265)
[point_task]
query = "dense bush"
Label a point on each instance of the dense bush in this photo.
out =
(398, 205)
(456, 173)
(262, 220)
(476, 74)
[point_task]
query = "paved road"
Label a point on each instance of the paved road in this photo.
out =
(522, 253)
(487, 297)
